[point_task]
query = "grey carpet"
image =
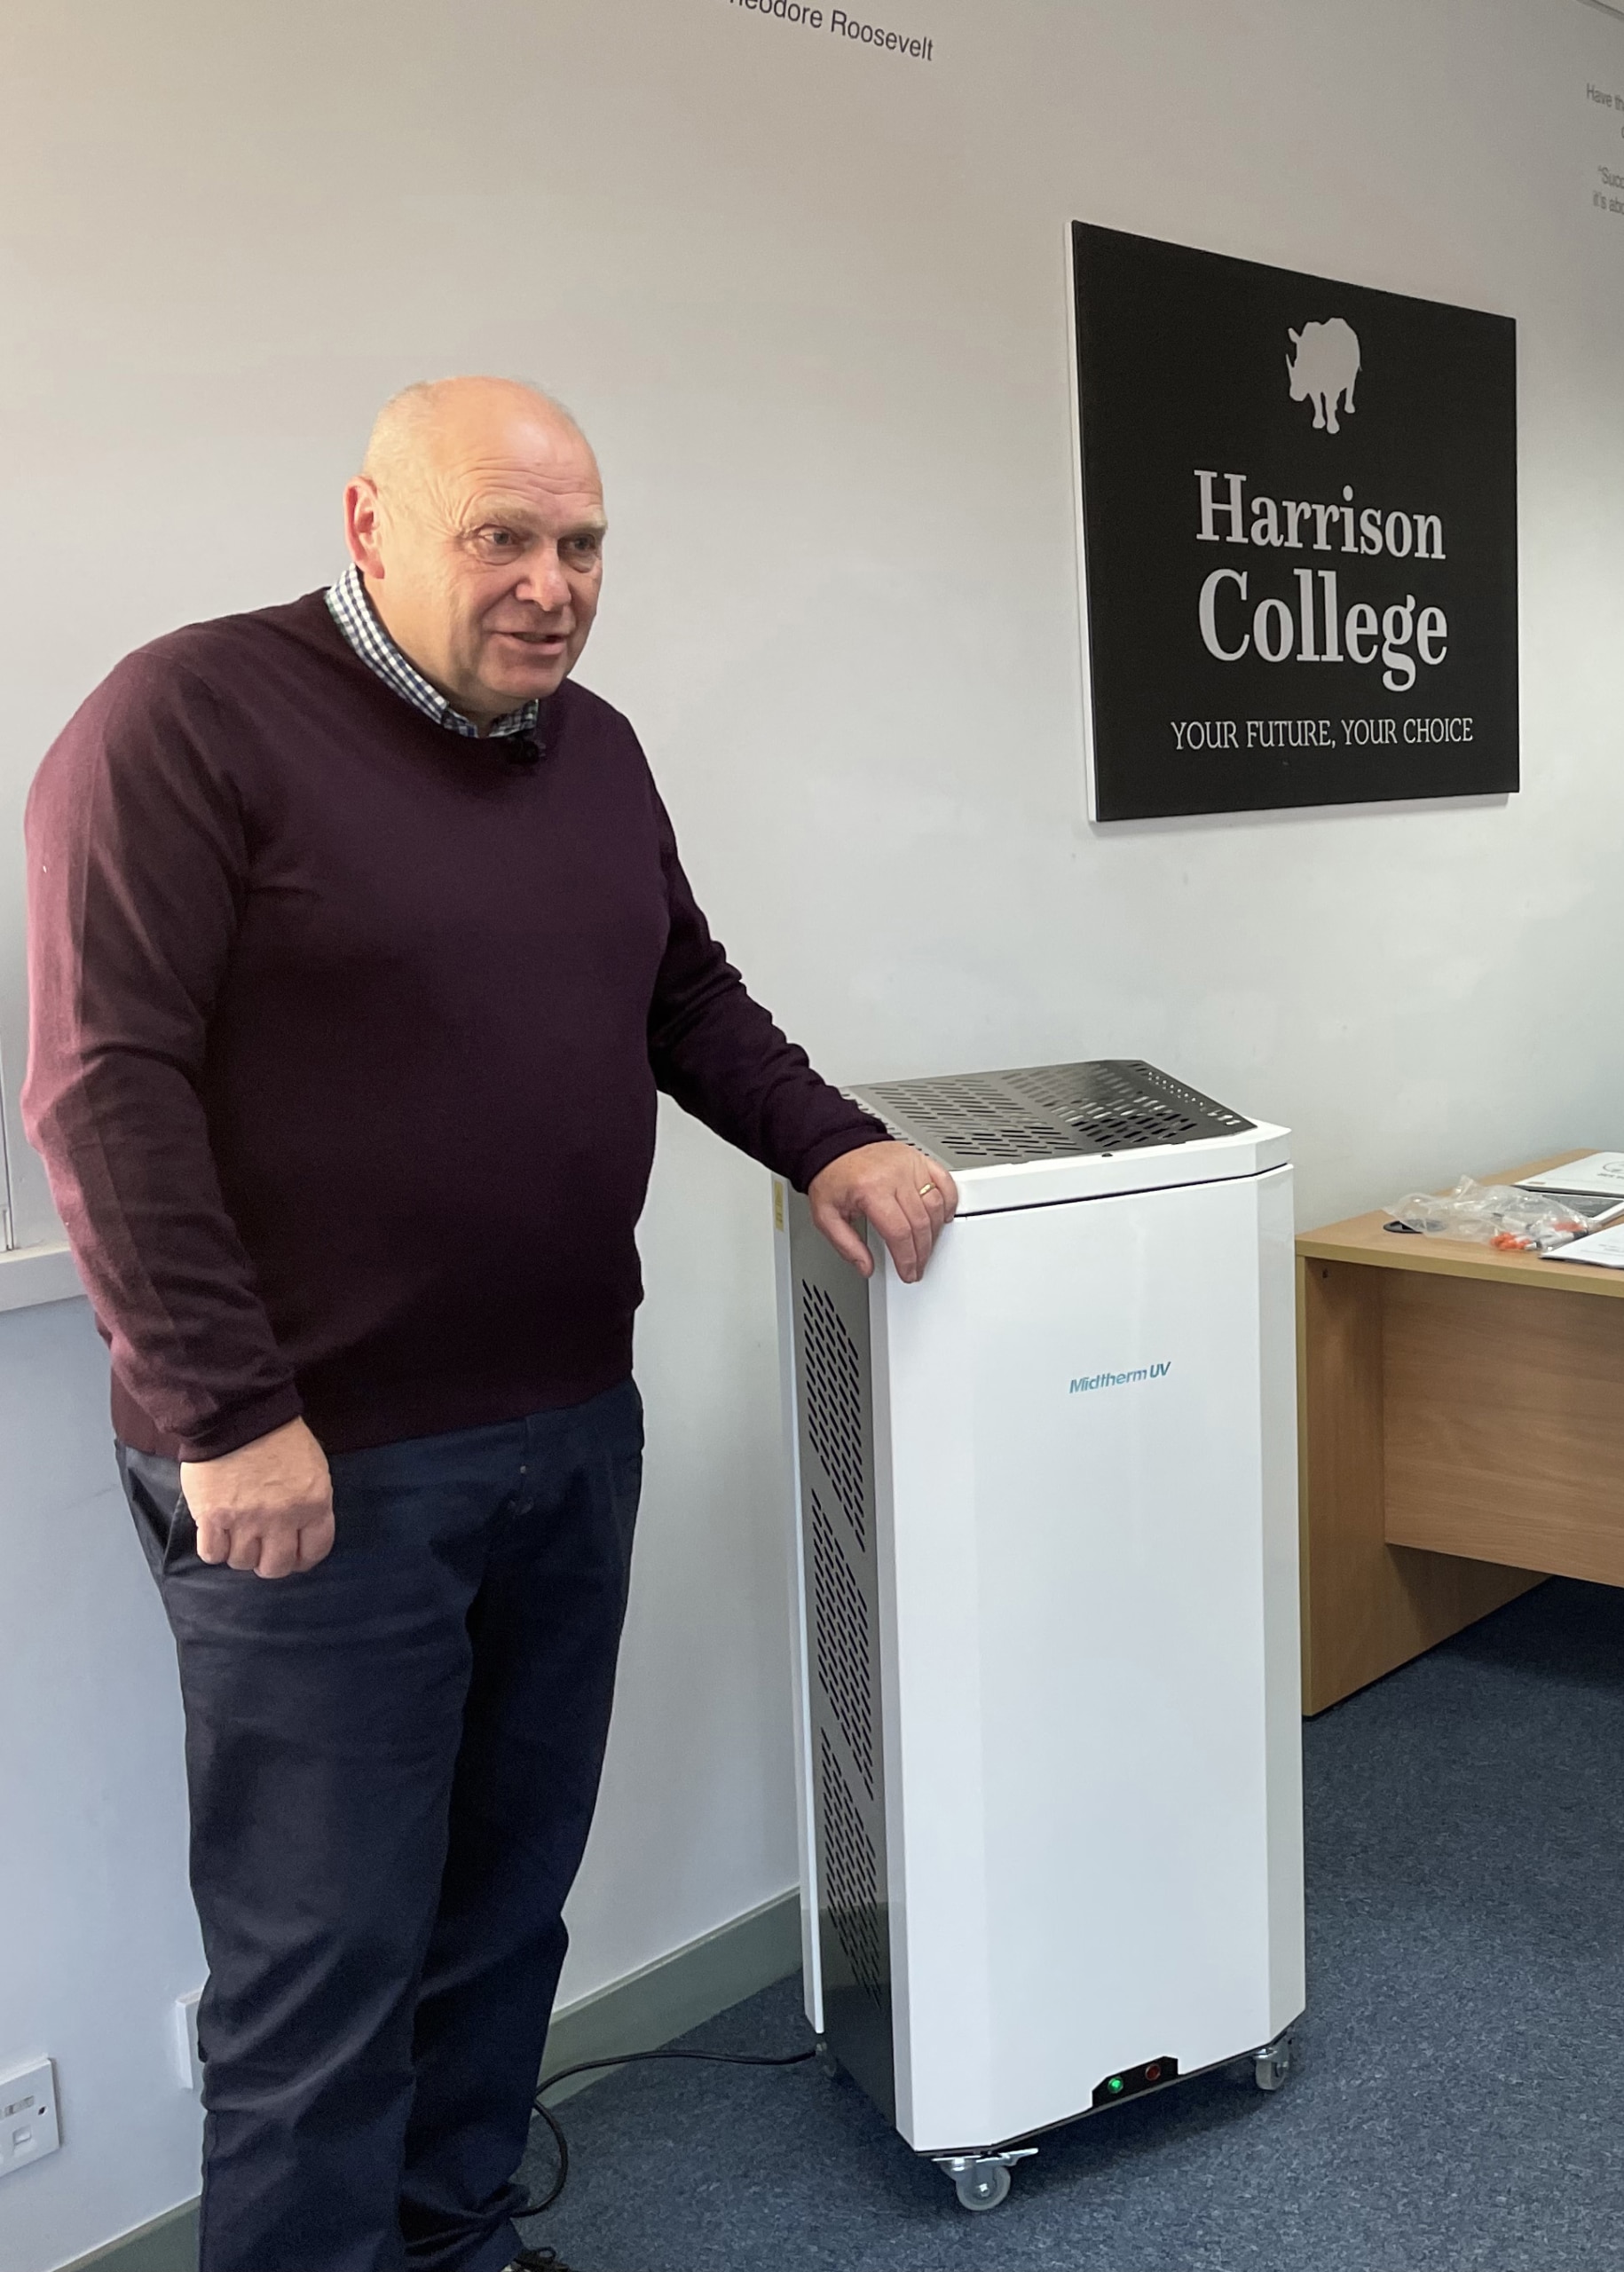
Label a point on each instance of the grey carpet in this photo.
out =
(1458, 2090)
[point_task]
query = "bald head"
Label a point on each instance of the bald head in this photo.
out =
(415, 425)
(477, 522)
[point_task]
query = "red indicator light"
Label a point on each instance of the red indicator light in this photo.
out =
(1153, 2074)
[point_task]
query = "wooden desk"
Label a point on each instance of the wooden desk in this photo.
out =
(1461, 1432)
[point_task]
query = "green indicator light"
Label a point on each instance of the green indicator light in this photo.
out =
(1114, 2083)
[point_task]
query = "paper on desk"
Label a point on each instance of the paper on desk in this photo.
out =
(1603, 1247)
(1597, 1171)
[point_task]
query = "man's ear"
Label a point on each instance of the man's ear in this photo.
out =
(363, 518)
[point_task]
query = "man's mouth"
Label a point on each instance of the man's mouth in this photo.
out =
(547, 641)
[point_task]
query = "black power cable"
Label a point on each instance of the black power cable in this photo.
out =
(628, 2059)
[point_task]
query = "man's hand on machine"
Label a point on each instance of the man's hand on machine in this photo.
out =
(906, 1196)
(267, 1507)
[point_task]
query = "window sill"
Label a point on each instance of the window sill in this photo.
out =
(31, 1275)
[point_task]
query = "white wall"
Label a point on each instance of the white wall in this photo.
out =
(810, 303)
(97, 1936)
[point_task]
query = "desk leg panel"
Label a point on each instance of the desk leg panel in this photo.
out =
(1369, 1604)
(1505, 1425)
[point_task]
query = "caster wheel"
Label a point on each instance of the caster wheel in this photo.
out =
(1272, 2065)
(983, 2186)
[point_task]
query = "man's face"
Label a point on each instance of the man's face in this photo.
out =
(483, 554)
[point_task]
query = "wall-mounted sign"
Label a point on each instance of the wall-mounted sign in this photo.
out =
(1299, 536)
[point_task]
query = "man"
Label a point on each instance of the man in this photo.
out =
(359, 948)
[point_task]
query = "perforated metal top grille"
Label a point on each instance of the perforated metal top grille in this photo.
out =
(1050, 1112)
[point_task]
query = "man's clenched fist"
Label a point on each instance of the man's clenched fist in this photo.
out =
(267, 1507)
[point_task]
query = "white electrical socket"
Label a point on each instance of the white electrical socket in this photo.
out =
(29, 2127)
(188, 2066)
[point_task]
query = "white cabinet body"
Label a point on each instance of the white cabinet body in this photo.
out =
(1047, 1598)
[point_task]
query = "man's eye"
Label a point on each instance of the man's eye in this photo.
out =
(585, 548)
(498, 540)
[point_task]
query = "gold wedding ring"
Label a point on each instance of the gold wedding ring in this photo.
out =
(926, 1189)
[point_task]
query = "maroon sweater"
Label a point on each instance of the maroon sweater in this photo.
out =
(346, 1040)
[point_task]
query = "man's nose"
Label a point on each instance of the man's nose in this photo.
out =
(545, 583)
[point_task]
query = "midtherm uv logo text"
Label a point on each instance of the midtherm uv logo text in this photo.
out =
(1083, 1381)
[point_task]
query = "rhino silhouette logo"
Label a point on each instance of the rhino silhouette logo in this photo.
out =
(1326, 365)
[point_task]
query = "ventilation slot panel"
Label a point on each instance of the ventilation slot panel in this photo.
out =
(835, 1404)
(851, 1880)
(844, 1664)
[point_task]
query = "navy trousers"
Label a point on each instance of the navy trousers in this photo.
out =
(392, 1762)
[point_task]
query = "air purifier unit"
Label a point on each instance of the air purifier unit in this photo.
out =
(1046, 1613)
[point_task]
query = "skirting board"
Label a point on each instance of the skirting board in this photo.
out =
(682, 1990)
(640, 2012)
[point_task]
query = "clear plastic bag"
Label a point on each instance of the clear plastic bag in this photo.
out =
(1493, 1214)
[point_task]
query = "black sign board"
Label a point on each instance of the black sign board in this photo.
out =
(1299, 524)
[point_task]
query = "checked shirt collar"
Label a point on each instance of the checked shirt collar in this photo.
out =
(353, 612)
